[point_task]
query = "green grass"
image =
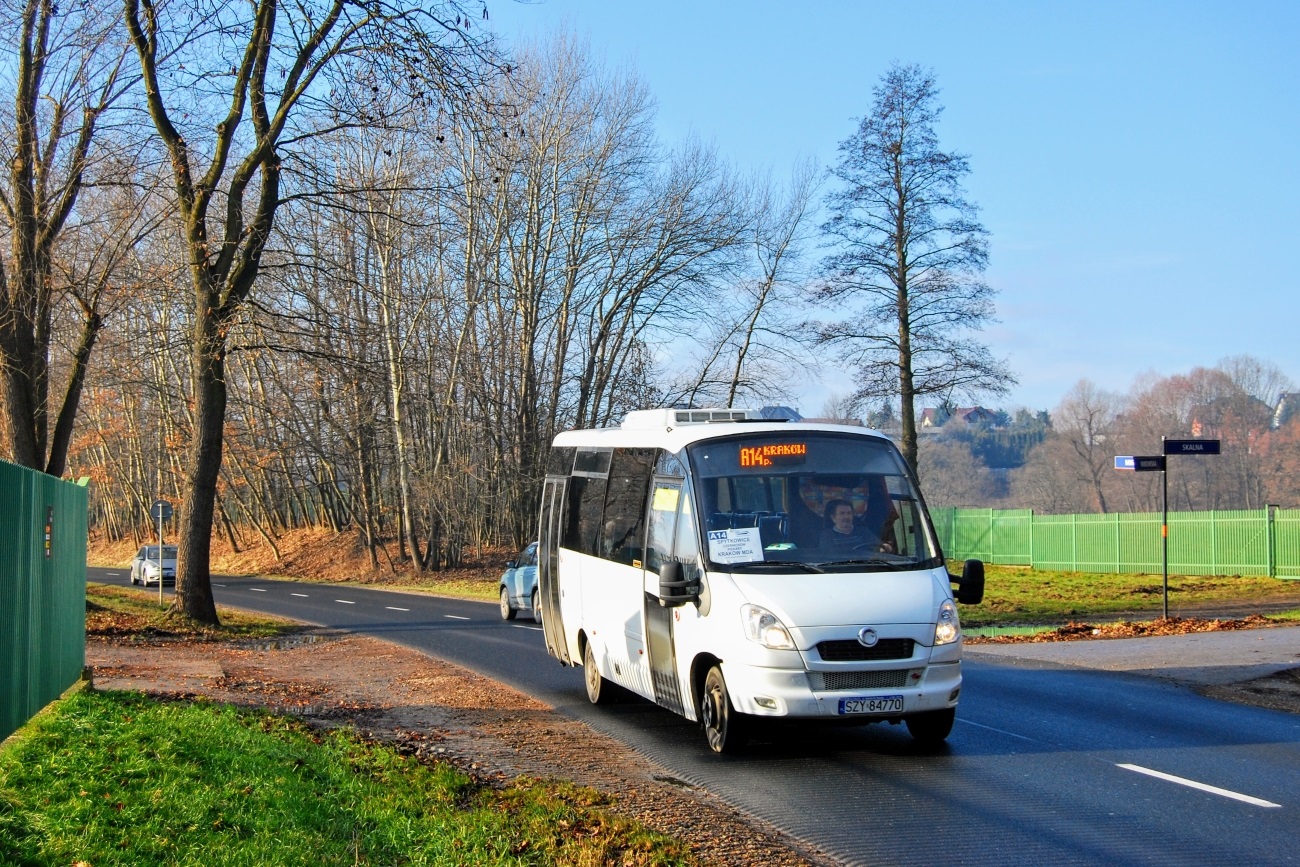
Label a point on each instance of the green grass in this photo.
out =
(121, 610)
(114, 778)
(484, 587)
(1014, 595)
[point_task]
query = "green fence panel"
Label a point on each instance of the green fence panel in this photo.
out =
(1284, 533)
(1246, 542)
(1012, 532)
(42, 591)
(973, 534)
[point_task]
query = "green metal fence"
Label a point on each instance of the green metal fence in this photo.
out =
(42, 591)
(1250, 542)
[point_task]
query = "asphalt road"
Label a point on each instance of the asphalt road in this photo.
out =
(1047, 763)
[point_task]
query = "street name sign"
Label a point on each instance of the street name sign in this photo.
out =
(1191, 447)
(1140, 463)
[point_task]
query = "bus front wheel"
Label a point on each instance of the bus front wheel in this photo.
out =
(930, 729)
(723, 725)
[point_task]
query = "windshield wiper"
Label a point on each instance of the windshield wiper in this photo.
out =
(863, 561)
(784, 564)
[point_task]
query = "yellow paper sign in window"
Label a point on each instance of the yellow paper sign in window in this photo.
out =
(666, 499)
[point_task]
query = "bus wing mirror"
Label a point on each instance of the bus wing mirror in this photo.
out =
(970, 585)
(674, 588)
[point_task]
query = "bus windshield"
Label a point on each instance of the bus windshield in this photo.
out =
(821, 500)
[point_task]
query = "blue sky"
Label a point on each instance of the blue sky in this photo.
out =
(1135, 163)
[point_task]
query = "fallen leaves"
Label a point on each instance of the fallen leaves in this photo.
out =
(1129, 629)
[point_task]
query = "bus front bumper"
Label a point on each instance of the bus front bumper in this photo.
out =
(772, 692)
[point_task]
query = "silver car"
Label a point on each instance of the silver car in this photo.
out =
(518, 585)
(147, 565)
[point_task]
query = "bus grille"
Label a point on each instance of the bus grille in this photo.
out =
(852, 651)
(824, 681)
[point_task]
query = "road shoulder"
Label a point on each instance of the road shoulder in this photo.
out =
(1259, 667)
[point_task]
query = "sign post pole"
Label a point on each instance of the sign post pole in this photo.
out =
(1140, 463)
(161, 510)
(1164, 532)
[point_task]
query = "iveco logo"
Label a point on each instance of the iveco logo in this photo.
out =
(867, 637)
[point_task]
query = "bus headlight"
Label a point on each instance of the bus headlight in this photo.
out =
(948, 628)
(763, 626)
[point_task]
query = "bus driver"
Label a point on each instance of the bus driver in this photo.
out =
(843, 535)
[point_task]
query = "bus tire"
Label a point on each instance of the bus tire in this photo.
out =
(723, 725)
(930, 729)
(599, 690)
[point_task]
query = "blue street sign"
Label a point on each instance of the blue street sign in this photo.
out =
(1191, 447)
(1140, 463)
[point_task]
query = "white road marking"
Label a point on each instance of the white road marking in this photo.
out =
(521, 626)
(1192, 784)
(345, 601)
(455, 617)
(393, 608)
(114, 574)
(258, 589)
(214, 584)
(303, 595)
(999, 731)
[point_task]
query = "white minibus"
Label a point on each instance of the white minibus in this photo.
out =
(733, 568)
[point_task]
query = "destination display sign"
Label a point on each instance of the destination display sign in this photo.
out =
(752, 457)
(1191, 447)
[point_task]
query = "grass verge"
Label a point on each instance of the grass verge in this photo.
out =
(125, 612)
(1016, 596)
(116, 778)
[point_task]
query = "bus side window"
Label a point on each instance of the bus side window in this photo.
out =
(663, 519)
(687, 544)
(629, 482)
(581, 525)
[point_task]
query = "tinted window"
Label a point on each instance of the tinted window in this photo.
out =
(625, 503)
(592, 461)
(585, 503)
(560, 461)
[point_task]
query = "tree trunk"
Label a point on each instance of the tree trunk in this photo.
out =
(193, 584)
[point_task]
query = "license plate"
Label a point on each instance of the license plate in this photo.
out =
(879, 704)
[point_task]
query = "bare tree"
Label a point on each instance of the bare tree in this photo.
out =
(1086, 419)
(754, 348)
(65, 76)
(231, 91)
(951, 474)
(908, 249)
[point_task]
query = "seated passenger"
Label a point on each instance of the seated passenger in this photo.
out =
(842, 534)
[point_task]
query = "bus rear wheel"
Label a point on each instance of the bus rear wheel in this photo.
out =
(599, 690)
(723, 725)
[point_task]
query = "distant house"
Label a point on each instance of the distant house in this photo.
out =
(971, 415)
(975, 415)
(932, 417)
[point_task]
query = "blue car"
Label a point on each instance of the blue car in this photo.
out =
(519, 585)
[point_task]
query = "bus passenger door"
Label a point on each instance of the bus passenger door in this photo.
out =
(665, 502)
(548, 573)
